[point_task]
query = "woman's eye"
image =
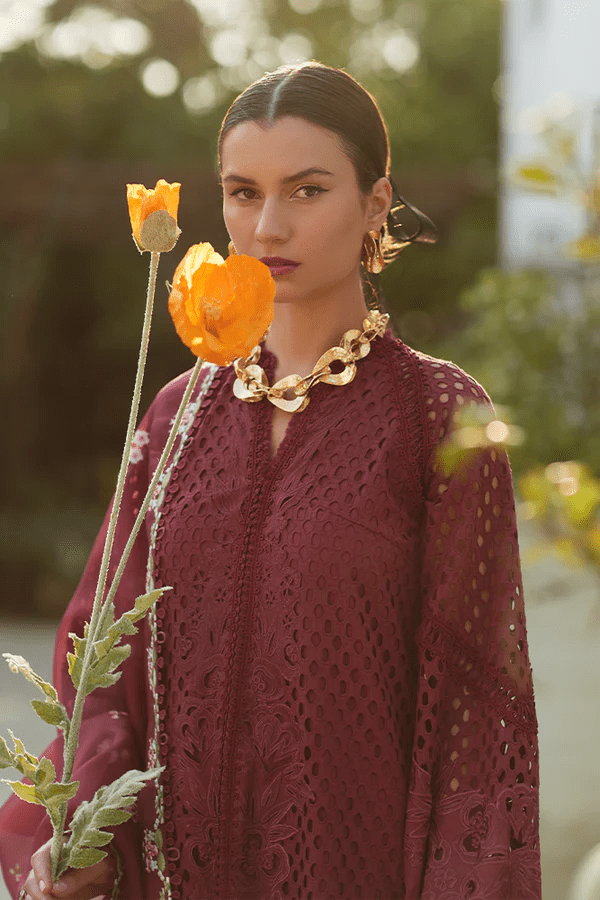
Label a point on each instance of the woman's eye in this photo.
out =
(311, 190)
(241, 193)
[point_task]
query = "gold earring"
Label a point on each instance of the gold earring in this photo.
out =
(373, 260)
(231, 248)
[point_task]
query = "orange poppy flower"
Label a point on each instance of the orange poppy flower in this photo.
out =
(142, 202)
(221, 308)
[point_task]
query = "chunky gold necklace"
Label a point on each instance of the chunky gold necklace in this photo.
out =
(252, 385)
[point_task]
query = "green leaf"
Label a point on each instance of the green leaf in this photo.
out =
(6, 757)
(75, 664)
(106, 818)
(20, 749)
(109, 806)
(126, 623)
(53, 713)
(27, 792)
(45, 774)
(98, 838)
(107, 656)
(56, 797)
(61, 792)
(100, 681)
(112, 660)
(84, 857)
(19, 664)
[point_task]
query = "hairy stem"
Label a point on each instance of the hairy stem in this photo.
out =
(72, 742)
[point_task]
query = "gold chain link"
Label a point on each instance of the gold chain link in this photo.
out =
(252, 385)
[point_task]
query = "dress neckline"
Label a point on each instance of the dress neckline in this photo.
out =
(299, 421)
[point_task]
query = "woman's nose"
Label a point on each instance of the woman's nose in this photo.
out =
(272, 224)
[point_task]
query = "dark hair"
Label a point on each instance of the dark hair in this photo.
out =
(334, 100)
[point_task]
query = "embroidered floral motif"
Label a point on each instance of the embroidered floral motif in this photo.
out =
(140, 439)
(477, 817)
(150, 851)
(15, 871)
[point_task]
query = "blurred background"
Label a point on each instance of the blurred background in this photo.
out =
(493, 109)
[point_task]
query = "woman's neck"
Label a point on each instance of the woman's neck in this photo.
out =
(301, 331)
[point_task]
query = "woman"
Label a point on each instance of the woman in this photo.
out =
(338, 683)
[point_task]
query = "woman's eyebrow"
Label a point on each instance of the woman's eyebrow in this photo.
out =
(313, 170)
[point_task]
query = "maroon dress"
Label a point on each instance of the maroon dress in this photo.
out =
(338, 683)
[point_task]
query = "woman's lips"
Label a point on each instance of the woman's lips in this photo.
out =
(278, 265)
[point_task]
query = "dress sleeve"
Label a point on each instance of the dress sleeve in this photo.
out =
(472, 828)
(112, 736)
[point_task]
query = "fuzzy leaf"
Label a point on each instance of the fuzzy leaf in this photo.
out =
(106, 818)
(84, 857)
(61, 792)
(20, 749)
(25, 766)
(98, 838)
(75, 664)
(126, 623)
(100, 681)
(27, 792)
(56, 797)
(18, 664)
(112, 660)
(90, 817)
(53, 713)
(6, 757)
(45, 774)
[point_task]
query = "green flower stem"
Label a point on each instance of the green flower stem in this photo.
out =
(73, 739)
(155, 479)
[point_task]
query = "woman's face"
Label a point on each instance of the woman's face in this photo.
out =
(291, 198)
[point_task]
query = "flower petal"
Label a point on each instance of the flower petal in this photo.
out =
(221, 308)
(142, 202)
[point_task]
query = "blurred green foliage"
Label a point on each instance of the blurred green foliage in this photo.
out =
(533, 340)
(538, 355)
(73, 285)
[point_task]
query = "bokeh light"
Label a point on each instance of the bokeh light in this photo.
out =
(229, 47)
(202, 94)
(384, 47)
(305, 7)
(497, 431)
(217, 13)
(295, 48)
(95, 36)
(401, 51)
(160, 77)
(366, 11)
(20, 22)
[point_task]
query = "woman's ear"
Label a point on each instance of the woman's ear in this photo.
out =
(379, 203)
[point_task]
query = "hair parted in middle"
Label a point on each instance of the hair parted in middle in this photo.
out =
(333, 99)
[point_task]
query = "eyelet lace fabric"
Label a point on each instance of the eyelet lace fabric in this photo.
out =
(342, 695)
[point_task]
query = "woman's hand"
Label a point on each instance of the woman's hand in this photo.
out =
(74, 884)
